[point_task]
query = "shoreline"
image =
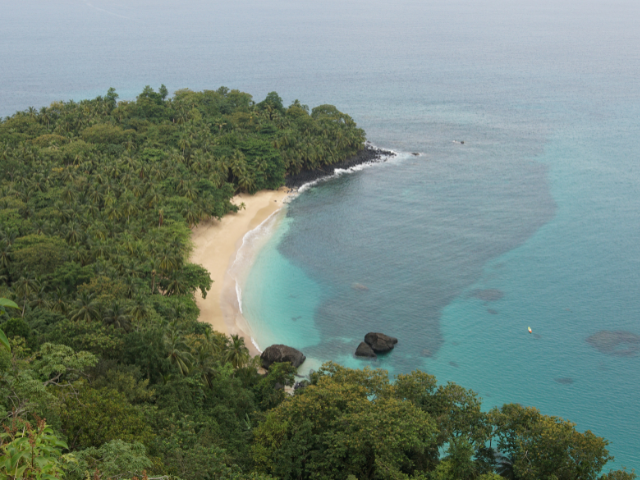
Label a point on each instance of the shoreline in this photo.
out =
(216, 245)
(369, 154)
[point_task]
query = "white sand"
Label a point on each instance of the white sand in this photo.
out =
(215, 246)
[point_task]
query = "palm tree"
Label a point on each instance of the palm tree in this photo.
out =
(129, 144)
(139, 310)
(155, 268)
(177, 351)
(39, 295)
(117, 316)
(245, 181)
(127, 207)
(176, 285)
(237, 353)
(93, 210)
(190, 191)
(44, 115)
(110, 198)
(112, 213)
(95, 195)
(153, 197)
(137, 190)
(85, 308)
(184, 142)
(74, 232)
(191, 215)
(56, 301)
(505, 465)
(168, 260)
(79, 254)
(39, 226)
(24, 288)
(131, 286)
(206, 362)
(5, 253)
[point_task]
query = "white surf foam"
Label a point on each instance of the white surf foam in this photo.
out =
(356, 168)
(244, 257)
(255, 344)
(239, 296)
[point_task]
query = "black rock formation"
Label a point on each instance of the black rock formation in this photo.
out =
(367, 155)
(379, 342)
(280, 354)
(364, 350)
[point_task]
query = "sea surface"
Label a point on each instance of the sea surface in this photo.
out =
(533, 221)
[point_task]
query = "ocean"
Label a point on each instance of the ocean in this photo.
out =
(531, 222)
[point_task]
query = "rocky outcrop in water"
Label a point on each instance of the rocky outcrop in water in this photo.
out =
(280, 354)
(379, 342)
(368, 154)
(365, 350)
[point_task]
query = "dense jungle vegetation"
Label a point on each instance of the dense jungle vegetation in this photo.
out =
(105, 371)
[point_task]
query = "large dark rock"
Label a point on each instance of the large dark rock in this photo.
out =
(379, 342)
(280, 354)
(364, 350)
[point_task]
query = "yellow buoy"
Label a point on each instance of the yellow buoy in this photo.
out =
(530, 331)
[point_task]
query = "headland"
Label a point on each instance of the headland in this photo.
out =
(369, 154)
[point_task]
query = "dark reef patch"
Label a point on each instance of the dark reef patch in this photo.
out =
(487, 295)
(617, 343)
(369, 154)
(492, 311)
(388, 225)
(564, 380)
(454, 364)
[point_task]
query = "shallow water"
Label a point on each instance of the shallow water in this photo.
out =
(538, 208)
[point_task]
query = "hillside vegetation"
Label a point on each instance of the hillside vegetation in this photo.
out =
(105, 371)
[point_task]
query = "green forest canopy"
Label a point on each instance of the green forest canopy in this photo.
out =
(97, 199)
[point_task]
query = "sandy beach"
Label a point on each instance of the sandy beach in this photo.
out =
(215, 246)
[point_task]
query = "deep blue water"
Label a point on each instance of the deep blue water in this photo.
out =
(533, 221)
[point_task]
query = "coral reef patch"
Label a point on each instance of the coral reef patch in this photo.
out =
(618, 343)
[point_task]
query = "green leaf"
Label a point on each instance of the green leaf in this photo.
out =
(48, 476)
(5, 302)
(4, 341)
(15, 458)
(20, 471)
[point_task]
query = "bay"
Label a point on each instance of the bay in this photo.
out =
(533, 221)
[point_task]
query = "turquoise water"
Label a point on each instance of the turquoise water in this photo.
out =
(559, 260)
(287, 281)
(533, 221)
